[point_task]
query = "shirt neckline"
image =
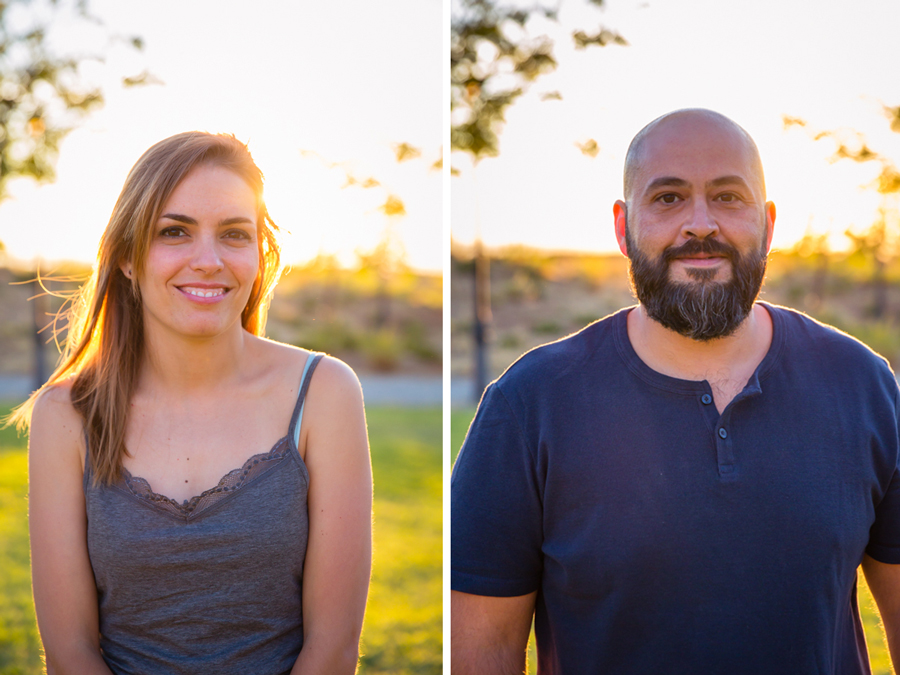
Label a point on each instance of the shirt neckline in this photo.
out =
(692, 387)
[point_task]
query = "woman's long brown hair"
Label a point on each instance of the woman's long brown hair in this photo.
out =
(105, 340)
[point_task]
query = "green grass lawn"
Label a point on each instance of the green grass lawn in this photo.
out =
(878, 654)
(402, 631)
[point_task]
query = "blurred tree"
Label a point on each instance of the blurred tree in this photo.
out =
(493, 60)
(388, 260)
(880, 243)
(42, 98)
(815, 249)
(42, 94)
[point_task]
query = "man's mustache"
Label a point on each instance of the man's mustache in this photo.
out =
(692, 247)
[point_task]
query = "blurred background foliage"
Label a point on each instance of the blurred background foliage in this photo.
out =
(494, 56)
(538, 296)
(43, 95)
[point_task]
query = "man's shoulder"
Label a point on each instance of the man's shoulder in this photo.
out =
(827, 345)
(587, 350)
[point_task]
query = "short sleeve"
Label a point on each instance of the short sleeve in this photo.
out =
(884, 536)
(495, 506)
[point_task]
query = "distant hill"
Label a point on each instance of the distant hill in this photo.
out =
(388, 322)
(539, 296)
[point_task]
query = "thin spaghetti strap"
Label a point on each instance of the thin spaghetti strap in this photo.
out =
(88, 471)
(311, 362)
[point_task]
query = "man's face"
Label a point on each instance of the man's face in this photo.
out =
(696, 229)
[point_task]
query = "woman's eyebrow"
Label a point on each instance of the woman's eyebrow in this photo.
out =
(236, 220)
(190, 221)
(180, 218)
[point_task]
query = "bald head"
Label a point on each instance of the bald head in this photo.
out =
(691, 118)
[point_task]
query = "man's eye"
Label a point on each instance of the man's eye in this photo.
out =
(668, 198)
(728, 198)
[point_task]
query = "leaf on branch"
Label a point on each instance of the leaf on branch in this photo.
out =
(864, 154)
(519, 17)
(551, 96)
(589, 148)
(893, 115)
(535, 62)
(788, 121)
(405, 151)
(889, 180)
(369, 183)
(141, 79)
(393, 206)
(36, 126)
(601, 38)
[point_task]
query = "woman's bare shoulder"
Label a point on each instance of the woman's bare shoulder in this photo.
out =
(56, 427)
(278, 355)
(54, 404)
(332, 376)
(335, 381)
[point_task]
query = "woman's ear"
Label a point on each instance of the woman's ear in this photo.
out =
(126, 268)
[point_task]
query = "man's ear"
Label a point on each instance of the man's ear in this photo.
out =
(770, 224)
(620, 213)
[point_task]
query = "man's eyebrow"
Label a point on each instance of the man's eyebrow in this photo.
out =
(190, 221)
(728, 180)
(667, 181)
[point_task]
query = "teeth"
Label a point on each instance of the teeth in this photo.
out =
(204, 294)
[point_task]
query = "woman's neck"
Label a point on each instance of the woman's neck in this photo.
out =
(178, 364)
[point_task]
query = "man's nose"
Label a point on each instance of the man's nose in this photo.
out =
(700, 223)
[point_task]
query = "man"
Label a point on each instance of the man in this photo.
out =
(690, 485)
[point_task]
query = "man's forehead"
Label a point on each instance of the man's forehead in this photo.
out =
(698, 138)
(684, 141)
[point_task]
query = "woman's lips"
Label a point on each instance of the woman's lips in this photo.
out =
(204, 294)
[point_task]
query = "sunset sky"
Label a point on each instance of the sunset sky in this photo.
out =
(323, 90)
(831, 63)
(317, 89)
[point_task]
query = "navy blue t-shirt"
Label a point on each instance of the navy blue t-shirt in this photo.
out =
(662, 537)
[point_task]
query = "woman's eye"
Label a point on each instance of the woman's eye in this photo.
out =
(171, 232)
(237, 234)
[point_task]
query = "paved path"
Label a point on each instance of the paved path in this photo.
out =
(403, 390)
(15, 387)
(462, 392)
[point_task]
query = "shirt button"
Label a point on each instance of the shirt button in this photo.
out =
(723, 433)
(706, 398)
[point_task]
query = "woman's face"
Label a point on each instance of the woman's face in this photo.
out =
(203, 258)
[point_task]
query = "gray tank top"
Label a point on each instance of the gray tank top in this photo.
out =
(211, 585)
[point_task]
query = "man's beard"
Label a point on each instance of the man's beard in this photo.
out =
(704, 309)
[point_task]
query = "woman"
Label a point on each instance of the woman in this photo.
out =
(193, 506)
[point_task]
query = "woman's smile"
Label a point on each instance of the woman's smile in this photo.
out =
(204, 258)
(204, 294)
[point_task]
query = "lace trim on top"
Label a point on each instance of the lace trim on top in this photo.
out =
(230, 483)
